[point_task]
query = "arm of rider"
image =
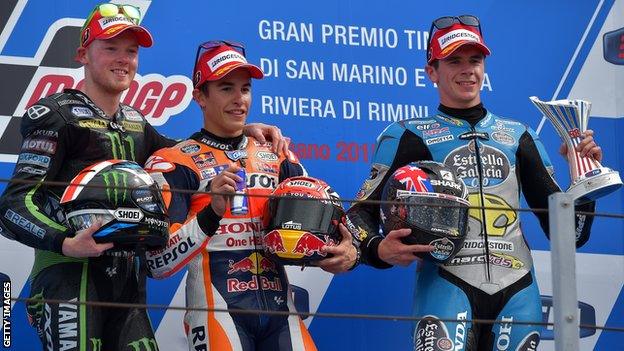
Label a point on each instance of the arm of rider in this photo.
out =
(587, 147)
(393, 251)
(224, 183)
(83, 245)
(344, 254)
(263, 133)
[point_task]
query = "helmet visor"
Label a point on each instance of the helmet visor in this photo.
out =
(79, 220)
(437, 213)
(311, 215)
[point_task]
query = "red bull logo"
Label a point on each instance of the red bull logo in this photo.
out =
(310, 244)
(254, 263)
(266, 265)
(244, 265)
(273, 242)
(235, 285)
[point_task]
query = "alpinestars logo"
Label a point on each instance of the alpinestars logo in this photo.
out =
(52, 69)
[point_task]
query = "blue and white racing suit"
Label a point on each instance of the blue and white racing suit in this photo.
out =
(492, 276)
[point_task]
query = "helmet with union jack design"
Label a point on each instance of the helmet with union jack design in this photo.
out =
(124, 198)
(302, 216)
(428, 198)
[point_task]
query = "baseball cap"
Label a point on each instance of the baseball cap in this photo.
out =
(220, 59)
(109, 20)
(445, 41)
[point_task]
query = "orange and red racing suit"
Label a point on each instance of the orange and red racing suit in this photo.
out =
(227, 268)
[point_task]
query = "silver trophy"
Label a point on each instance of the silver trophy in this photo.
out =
(589, 179)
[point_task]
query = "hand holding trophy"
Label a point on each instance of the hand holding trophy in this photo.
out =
(589, 179)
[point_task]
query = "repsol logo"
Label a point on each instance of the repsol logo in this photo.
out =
(171, 255)
(199, 338)
(261, 181)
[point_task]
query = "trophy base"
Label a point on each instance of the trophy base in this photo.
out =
(605, 181)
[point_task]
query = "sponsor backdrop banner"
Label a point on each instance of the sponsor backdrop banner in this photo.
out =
(338, 73)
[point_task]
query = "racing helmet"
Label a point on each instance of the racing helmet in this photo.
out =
(296, 226)
(428, 198)
(126, 200)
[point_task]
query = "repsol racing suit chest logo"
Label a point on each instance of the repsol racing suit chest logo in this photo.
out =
(494, 164)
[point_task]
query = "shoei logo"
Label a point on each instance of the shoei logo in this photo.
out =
(128, 214)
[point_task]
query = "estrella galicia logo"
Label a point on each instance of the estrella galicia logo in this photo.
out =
(587, 317)
(613, 46)
(116, 185)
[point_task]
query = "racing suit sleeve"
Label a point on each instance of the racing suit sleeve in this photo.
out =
(156, 141)
(23, 204)
(291, 167)
(188, 234)
(396, 147)
(535, 174)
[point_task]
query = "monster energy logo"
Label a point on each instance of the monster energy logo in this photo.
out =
(115, 180)
(96, 343)
(36, 309)
(147, 344)
(119, 145)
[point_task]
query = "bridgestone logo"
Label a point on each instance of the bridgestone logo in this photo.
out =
(457, 35)
(225, 57)
(106, 22)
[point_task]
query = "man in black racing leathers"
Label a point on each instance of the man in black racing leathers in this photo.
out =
(63, 134)
(492, 276)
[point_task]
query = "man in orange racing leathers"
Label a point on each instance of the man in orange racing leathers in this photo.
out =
(227, 266)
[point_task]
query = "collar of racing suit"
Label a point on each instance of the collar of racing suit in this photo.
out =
(471, 115)
(232, 142)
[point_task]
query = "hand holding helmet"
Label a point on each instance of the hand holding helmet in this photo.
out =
(432, 203)
(121, 197)
(301, 219)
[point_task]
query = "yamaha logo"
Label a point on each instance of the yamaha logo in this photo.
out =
(128, 214)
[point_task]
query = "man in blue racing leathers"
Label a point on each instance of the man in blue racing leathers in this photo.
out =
(492, 276)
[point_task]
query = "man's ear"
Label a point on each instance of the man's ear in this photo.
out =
(81, 55)
(432, 73)
(198, 96)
